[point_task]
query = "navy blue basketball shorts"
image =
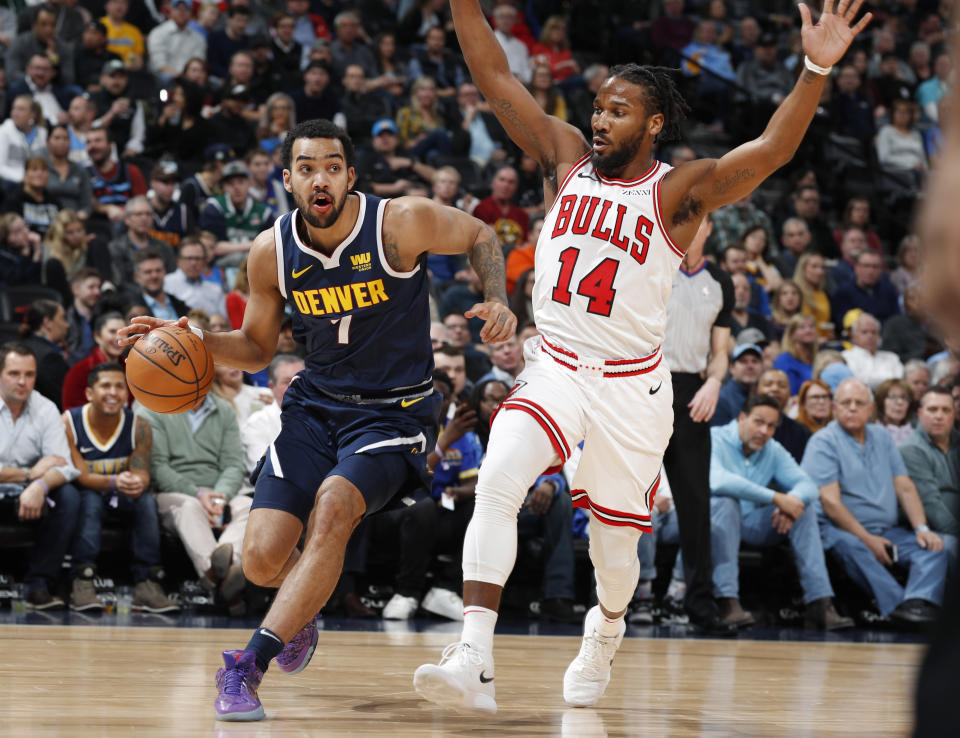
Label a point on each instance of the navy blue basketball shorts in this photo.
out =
(382, 449)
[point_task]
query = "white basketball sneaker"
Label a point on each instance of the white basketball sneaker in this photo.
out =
(443, 602)
(588, 675)
(462, 681)
(400, 608)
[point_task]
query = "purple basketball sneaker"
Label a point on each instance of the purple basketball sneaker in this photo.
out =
(237, 682)
(298, 652)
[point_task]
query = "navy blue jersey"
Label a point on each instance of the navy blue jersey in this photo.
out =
(111, 457)
(366, 327)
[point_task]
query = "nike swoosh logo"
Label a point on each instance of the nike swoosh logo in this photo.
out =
(408, 403)
(654, 390)
(295, 275)
(586, 176)
(85, 449)
(483, 679)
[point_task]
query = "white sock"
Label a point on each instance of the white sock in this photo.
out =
(478, 625)
(608, 628)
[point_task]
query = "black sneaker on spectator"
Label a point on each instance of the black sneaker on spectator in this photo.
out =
(672, 612)
(40, 599)
(84, 595)
(641, 612)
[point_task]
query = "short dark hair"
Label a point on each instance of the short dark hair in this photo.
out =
(106, 366)
(145, 255)
(661, 95)
(82, 274)
(101, 127)
(936, 389)
(441, 376)
(760, 401)
(237, 10)
(187, 241)
(317, 128)
(448, 350)
(14, 347)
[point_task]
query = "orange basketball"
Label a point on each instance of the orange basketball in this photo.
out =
(170, 370)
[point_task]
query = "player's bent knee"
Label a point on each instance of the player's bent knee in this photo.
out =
(339, 506)
(613, 551)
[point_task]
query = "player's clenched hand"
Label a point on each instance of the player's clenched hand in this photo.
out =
(500, 323)
(142, 325)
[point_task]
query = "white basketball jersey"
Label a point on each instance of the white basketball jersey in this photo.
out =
(605, 265)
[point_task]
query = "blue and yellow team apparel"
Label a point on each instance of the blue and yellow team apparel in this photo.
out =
(364, 407)
(111, 456)
(461, 461)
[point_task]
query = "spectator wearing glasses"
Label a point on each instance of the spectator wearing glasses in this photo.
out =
(187, 282)
(862, 478)
(893, 408)
(867, 362)
(814, 405)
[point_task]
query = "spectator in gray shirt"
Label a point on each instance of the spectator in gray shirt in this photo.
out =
(38, 40)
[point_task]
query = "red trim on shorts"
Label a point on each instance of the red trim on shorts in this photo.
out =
(580, 498)
(634, 373)
(557, 441)
(654, 168)
(548, 423)
(659, 216)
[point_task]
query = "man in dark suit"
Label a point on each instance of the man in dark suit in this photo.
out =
(38, 83)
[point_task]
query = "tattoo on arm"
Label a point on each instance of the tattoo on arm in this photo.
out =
(689, 209)
(720, 187)
(808, 77)
(392, 252)
(486, 258)
(143, 440)
(505, 110)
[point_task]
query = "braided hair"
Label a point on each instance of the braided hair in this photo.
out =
(661, 95)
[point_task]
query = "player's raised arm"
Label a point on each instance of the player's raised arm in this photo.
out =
(413, 225)
(699, 187)
(252, 347)
(549, 140)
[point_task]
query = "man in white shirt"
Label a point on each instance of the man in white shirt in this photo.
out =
(518, 58)
(173, 43)
(867, 363)
(262, 427)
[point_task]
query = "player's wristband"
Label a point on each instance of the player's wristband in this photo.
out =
(196, 331)
(922, 528)
(816, 68)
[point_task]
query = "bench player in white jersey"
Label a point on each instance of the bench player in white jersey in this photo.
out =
(615, 233)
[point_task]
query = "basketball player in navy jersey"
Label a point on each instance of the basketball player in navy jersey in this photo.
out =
(360, 420)
(616, 228)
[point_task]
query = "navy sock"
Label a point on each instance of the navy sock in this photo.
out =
(267, 646)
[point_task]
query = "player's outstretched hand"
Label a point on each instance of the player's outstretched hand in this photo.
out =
(500, 323)
(142, 325)
(827, 41)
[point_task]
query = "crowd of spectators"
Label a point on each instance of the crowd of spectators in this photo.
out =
(140, 156)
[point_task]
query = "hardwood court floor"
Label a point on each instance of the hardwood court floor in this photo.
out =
(145, 682)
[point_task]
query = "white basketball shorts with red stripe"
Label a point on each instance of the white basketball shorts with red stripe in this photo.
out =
(623, 412)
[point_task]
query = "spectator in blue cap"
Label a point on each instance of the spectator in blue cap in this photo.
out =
(746, 365)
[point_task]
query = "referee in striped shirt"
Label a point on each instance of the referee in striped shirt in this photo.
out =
(698, 330)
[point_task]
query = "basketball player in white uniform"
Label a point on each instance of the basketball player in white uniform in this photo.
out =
(615, 233)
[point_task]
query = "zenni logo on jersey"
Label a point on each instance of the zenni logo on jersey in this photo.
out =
(340, 299)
